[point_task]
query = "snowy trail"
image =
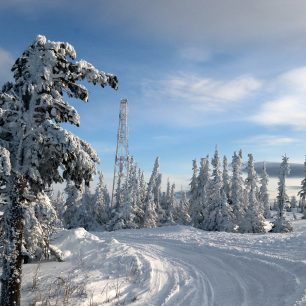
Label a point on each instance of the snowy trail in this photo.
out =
(183, 272)
(173, 266)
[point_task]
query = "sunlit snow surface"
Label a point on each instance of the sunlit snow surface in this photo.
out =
(173, 265)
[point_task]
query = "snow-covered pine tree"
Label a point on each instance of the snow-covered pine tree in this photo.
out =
(130, 195)
(40, 221)
(58, 203)
(117, 219)
(293, 206)
(150, 216)
(281, 224)
(158, 198)
(263, 192)
(237, 189)
(141, 196)
(100, 205)
(71, 215)
(217, 212)
(302, 192)
(201, 203)
(193, 192)
(253, 221)
(183, 212)
(32, 108)
(226, 179)
(170, 213)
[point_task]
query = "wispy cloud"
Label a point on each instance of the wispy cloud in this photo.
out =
(201, 92)
(287, 107)
(287, 110)
(267, 140)
(6, 62)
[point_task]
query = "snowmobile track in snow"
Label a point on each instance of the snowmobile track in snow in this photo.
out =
(199, 274)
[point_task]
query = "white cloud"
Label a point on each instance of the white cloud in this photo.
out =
(268, 140)
(287, 107)
(287, 110)
(203, 93)
(6, 62)
(295, 79)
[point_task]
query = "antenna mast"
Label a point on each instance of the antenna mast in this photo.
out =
(122, 149)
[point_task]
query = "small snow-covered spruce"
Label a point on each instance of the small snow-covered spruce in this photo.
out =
(217, 212)
(101, 201)
(253, 221)
(58, 203)
(302, 192)
(193, 192)
(293, 206)
(281, 224)
(40, 220)
(130, 195)
(32, 108)
(183, 213)
(165, 201)
(141, 196)
(226, 179)
(263, 192)
(71, 215)
(117, 219)
(237, 189)
(170, 213)
(150, 216)
(201, 202)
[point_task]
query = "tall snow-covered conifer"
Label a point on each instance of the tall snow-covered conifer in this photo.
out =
(263, 192)
(193, 191)
(201, 201)
(281, 224)
(253, 221)
(217, 214)
(226, 179)
(237, 189)
(302, 192)
(32, 108)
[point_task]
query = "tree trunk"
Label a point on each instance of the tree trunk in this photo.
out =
(12, 261)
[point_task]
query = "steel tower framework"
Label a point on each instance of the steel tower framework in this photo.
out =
(122, 149)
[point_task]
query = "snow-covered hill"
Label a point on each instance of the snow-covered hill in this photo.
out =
(173, 265)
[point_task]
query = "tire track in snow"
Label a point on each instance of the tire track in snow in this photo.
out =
(184, 274)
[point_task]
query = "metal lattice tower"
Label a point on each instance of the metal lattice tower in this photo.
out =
(122, 149)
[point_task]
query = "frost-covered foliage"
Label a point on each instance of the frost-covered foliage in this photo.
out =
(253, 221)
(264, 194)
(193, 192)
(224, 202)
(226, 179)
(183, 210)
(302, 192)
(127, 208)
(101, 202)
(201, 200)
(237, 189)
(281, 224)
(217, 212)
(32, 108)
(40, 221)
(58, 203)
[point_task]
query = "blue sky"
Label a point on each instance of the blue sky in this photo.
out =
(196, 73)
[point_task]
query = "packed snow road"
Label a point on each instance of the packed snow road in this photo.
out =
(191, 267)
(171, 266)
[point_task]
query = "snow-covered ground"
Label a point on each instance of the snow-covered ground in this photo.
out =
(173, 265)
